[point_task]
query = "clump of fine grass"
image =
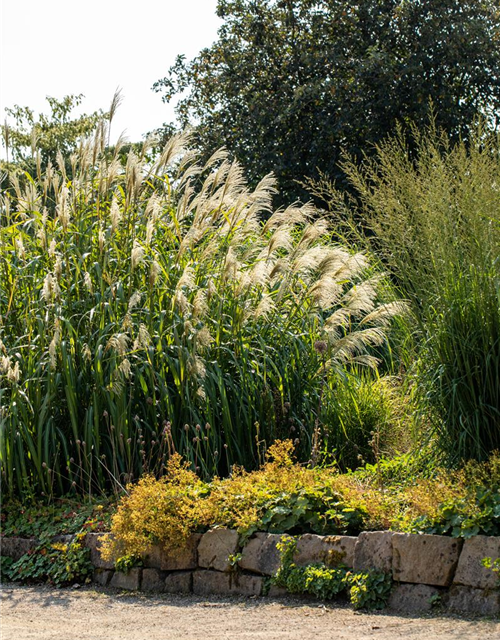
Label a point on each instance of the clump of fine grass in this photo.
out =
(146, 309)
(367, 419)
(434, 221)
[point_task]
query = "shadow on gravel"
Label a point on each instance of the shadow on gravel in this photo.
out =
(47, 596)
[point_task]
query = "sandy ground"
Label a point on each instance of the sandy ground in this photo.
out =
(89, 614)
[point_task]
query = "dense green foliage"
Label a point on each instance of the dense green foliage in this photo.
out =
(367, 590)
(281, 497)
(57, 563)
(367, 419)
(5, 568)
(472, 515)
(62, 517)
(289, 84)
(435, 222)
(134, 304)
(370, 589)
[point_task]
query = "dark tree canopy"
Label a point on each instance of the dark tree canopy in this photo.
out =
(289, 84)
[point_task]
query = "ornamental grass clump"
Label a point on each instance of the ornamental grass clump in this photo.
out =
(434, 220)
(156, 306)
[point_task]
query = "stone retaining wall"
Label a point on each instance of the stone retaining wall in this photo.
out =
(425, 568)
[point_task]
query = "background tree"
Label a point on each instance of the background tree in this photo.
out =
(290, 83)
(58, 131)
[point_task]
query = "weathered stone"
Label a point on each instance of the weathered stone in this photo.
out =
(130, 581)
(244, 585)
(63, 539)
(277, 592)
(331, 550)
(424, 559)
(373, 550)
(103, 576)
(211, 582)
(217, 583)
(174, 559)
(93, 541)
(179, 582)
(16, 547)
(261, 555)
(215, 547)
(153, 580)
(476, 601)
(413, 598)
(470, 571)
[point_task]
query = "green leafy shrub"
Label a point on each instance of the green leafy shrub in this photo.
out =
(63, 517)
(403, 469)
(321, 511)
(370, 589)
(471, 508)
(126, 563)
(164, 511)
(282, 496)
(494, 565)
(57, 563)
(317, 579)
(6, 568)
(367, 590)
(143, 298)
(286, 497)
(474, 515)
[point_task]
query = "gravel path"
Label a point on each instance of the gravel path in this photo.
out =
(89, 614)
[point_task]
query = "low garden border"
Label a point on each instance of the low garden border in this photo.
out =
(426, 569)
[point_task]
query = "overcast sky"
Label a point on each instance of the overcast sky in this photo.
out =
(58, 47)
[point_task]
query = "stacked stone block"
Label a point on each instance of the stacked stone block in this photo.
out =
(426, 569)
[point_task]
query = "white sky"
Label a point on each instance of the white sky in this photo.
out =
(58, 47)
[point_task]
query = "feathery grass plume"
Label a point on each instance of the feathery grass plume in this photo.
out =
(14, 373)
(63, 207)
(115, 214)
(135, 300)
(171, 301)
(154, 271)
(6, 137)
(118, 342)
(4, 364)
(115, 104)
(137, 255)
(61, 165)
(143, 339)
